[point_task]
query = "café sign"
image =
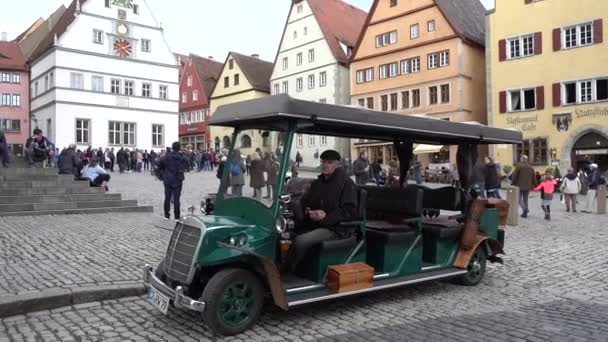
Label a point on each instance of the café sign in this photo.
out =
(527, 124)
(594, 113)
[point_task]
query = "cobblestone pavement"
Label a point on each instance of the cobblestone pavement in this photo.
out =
(553, 286)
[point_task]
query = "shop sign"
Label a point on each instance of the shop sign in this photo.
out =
(589, 152)
(527, 124)
(191, 129)
(555, 163)
(594, 113)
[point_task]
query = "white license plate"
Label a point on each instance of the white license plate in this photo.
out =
(160, 301)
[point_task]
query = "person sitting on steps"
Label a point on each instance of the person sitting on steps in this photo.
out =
(96, 175)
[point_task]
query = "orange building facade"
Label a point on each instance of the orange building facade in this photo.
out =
(421, 57)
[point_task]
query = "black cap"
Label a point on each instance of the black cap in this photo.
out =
(330, 155)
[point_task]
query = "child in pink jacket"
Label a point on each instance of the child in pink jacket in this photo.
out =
(547, 188)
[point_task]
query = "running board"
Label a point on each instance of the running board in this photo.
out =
(387, 283)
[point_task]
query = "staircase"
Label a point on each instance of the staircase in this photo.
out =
(29, 192)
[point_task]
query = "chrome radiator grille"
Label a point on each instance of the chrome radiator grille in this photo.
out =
(181, 253)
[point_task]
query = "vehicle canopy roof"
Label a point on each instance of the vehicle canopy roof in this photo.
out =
(276, 112)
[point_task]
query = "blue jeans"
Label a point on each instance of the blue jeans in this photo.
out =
(494, 193)
(237, 190)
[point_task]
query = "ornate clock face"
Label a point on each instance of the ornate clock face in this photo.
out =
(122, 29)
(122, 48)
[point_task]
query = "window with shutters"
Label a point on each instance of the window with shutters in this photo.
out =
(521, 46)
(521, 100)
(578, 35)
(584, 91)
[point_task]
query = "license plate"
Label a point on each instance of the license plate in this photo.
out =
(158, 300)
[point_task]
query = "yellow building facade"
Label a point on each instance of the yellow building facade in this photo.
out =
(242, 78)
(547, 67)
(421, 57)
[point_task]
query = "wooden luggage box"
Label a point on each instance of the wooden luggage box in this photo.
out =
(350, 277)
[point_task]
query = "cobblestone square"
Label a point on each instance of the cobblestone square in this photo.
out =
(552, 287)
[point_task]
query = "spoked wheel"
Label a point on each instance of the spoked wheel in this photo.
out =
(234, 300)
(475, 270)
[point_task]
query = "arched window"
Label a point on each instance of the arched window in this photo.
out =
(226, 142)
(245, 141)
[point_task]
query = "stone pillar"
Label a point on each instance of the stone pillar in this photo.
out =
(513, 199)
(601, 199)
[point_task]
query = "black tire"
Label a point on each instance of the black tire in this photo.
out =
(233, 301)
(159, 272)
(476, 269)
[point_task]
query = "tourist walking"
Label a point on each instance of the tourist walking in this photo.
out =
(298, 159)
(524, 178)
(361, 169)
(173, 166)
(237, 169)
(393, 173)
(3, 150)
(112, 156)
(547, 188)
(146, 160)
(417, 168)
(492, 182)
(273, 174)
(257, 180)
(570, 188)
(594, 180)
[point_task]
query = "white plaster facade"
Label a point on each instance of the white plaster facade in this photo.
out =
(73, 81)
(303, 34)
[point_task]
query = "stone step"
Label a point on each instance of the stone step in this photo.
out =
(34, 207)
(29, 171)
(50, 191)
(59, 198)
(37, 178)
(59, 183)
(133, 209)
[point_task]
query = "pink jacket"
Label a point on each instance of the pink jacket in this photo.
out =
(547, 186)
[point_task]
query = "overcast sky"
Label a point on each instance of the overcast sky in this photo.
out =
(203, 27)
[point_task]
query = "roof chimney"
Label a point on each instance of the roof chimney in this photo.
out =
(210, 57)
(255, 55)
(3, 37)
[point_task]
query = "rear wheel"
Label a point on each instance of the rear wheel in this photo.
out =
(233, 301)
(475, 269)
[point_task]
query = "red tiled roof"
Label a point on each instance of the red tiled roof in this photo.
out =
(208, 72)
(340, 22)
(11, 57)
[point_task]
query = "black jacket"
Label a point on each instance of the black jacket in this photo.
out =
(69, 163)
(173, 167)
(336, 195)
(492, 181)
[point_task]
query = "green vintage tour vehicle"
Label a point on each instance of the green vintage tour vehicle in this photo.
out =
(224, 262)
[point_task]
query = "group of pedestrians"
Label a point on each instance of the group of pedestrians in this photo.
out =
(486, 178)
(573, 187)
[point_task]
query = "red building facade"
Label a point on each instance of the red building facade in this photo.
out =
(14, 96)
(197, 82)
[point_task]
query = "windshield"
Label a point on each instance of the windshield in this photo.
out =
(252, 169)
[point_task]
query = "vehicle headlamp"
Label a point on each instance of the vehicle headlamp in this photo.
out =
(232, 240)
(242, 240)
(281, 225)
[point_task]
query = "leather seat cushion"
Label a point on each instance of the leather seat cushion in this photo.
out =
(440, 232)
(391, 236)
(338, 244)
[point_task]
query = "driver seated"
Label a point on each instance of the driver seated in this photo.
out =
(330, 200)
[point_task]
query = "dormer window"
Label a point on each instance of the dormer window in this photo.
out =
(393, 3)
(300, 9)
(136, 9)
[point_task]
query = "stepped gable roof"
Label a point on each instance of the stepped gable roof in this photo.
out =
(467, 18)
(11, 57)
(208, 72)
(340, 23)
(58, 23)
(257, 71)
(30, 41)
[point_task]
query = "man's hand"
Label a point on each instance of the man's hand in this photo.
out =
(317, 215)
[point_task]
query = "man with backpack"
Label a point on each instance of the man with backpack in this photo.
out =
(172, 168)
(37, 149)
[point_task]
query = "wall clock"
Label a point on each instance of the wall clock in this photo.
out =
(122, 29)
(122, 48)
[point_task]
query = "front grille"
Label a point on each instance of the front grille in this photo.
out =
(181, 253)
